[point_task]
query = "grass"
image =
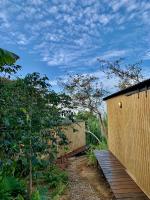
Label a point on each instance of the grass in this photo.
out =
(90, 153)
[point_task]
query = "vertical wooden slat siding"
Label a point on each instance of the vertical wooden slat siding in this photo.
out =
(76, 138)
(129, 135)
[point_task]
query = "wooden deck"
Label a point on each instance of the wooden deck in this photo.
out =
(123, 187)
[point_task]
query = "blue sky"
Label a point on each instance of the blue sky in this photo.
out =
(56, 37)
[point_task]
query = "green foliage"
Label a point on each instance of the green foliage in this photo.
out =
(90, 153)
(29, 124)
(4, 192)
(11, 187)
(44, 192)
(94, 127)
(92, 124)
(19, 197)
(29, 114)
(91, 157)
(57, 180)
(55, 176)
(35, 195)
(51, 184)
(7, 57)
(7, 62)
(59, 190)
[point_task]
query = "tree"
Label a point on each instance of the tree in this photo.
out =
(86, 94)
(127, 74)
(29, 121)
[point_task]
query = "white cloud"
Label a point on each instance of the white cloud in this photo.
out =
(71, 34)
(4, 23)
(109, 85)
(132, 5)
(147, 56)
(53, 9)
(22, 40)
(113, 54)
(36, 2)
(104, 19)
(146, 17)
(116, 5)
(58, 58)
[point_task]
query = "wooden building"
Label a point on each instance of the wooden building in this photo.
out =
(129, 131)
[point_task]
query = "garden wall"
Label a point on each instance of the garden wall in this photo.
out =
(75, 133)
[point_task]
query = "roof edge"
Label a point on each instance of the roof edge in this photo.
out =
(138, 87)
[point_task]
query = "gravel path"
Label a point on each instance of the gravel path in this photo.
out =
(79, 187)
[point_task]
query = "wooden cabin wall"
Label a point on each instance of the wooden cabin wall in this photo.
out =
(129, 135)
(75, 133)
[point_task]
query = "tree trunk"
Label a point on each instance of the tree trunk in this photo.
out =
(30, 171)
(30, 179)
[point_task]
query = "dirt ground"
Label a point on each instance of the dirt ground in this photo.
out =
(86, 182)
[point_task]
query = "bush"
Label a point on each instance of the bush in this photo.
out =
(56, 176)
(44, 192)
(57, 180)
(11, 187)
(19, 197)
(90, 153)
(35, 195)
(4, 192)
(59, 190)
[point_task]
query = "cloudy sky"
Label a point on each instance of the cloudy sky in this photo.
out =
(56, 37)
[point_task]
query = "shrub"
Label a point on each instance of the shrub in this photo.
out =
(19, 197)
(57, 180)
(11, 187)
(4, 192)
(59, 190)
(35, 195)
(90, 153)
(56, 176)
(44, 192)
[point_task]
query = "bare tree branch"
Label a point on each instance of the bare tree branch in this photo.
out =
(127, 74)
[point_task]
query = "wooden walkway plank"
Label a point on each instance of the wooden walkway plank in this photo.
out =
(123, 187)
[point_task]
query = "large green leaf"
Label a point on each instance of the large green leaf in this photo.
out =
(7, 57)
